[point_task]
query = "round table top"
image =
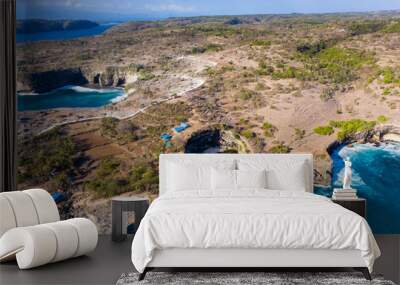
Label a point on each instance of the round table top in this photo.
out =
(129, 199)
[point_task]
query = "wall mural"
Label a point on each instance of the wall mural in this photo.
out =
(100, 98)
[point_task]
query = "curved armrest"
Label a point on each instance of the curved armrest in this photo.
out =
(40, 244)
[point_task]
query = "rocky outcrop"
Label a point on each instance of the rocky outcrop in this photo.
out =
(378, 134)
(389, 133)
(381, 133)
(322, 170)
(110, 76)
(392, 137)
(40, 82)
(212, 138)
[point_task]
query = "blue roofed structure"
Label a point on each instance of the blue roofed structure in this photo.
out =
(166, 137)
(58, 197)
(181, 127)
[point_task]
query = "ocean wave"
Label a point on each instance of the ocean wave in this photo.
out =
(81, 89)
(27, 93)
(392, 148)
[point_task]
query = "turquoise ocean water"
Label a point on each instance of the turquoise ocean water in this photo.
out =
(70, 97)
(376, 176)
(64, 35)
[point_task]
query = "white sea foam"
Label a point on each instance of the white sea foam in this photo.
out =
(119, 98)
(392, 148)
(27, 93)
(81, 89)
(76, 88)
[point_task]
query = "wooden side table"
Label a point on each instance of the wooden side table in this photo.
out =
(358, 206)
(127, 211)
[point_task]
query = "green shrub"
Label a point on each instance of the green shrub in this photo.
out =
(351, 127)
(392, 28)
(386, 91)
(264, 69)
(230, 150)
(324, 130)
(248, 134)
(280, 148)
(108, 187)
(48, 156)
(145, 75)
(122, 130)
(313, 48)
(332, 64)
(213, 47)
(390, 75)
(365, 27)
(246, 94)
(339, 65)
(109, 126)
(269, 129)
(181, 117)
(382, 119)
(208, 48)
(142, 177)
(110, 181)
(60, 181)
(214, 30)
(260, 42)
(107, 167)
(288, 72)
(196, 50)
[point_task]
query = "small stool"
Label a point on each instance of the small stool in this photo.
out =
(127, 212)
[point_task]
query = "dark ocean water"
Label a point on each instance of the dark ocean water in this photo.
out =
(376, 176)
(64, 35)
(70, 97)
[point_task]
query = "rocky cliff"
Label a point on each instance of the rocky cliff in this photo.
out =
(40, 82)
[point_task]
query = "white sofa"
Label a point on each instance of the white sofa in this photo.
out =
(31, 231)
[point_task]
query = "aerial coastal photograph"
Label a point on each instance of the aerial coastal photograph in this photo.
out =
(104, 87)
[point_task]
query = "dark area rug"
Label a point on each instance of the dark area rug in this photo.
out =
(244, 278)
